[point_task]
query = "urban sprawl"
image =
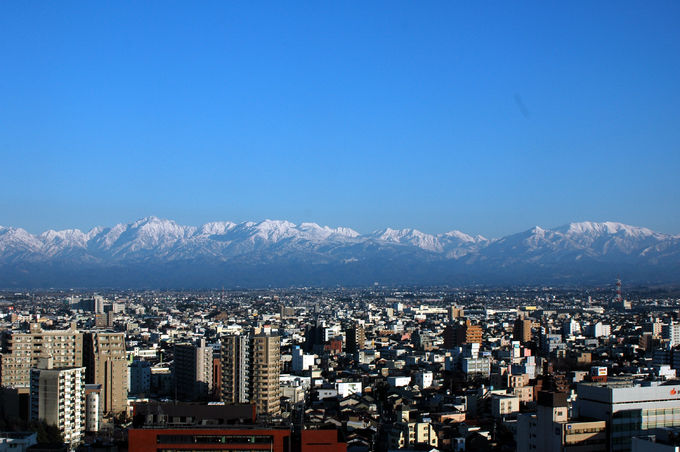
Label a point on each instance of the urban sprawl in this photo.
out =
(374, 369)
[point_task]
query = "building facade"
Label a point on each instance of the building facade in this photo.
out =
(106, 364)
(23, 350)
(251, 370)
(193, 369)
(58, 398)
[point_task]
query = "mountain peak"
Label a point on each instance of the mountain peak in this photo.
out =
(161, 244)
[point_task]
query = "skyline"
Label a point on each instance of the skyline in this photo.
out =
(485, 120)
(155, 218)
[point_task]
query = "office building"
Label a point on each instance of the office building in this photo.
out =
(630, 410)
(219, 427)
(671, 334)
(139, 383)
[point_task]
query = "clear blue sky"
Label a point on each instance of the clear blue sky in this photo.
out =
(489, 118)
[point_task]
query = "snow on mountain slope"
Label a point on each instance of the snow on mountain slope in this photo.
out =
(17, 244)
(155, 241)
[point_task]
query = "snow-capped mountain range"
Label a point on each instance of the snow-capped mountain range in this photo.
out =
(154, 252)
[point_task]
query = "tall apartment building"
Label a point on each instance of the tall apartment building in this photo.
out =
(462, 333)
(355, 339)
(235, 369)
(455, 313)
(106, 364)
(21, 351)
(193, 370)
(58, 398)
(671, 333)
(250, 371)
(522, 330)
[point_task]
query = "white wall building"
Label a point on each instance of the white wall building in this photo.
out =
(423, 379)
(632, 410)
(346, 388)
(301, 361)
(397, 382)
(58, 398)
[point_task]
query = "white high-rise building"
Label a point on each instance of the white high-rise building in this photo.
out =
(58, 398)
(671, 333)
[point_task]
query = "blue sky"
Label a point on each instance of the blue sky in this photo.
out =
(488, 118)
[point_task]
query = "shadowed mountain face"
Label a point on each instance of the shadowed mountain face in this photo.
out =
(154, 252)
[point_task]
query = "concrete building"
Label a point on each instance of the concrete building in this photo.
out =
(345, 388)
(21, 352)
(355, 339)
(93, 407)
(671, 333)
(423, 379)
(301, 361)
(139, 377)
(480, 366)
(461, 334)
(503, 405)
(58, 398)
(266, 367)
(17, 441)
(398, 382)
(235, 369)
(106, 363)
(658, 440)
(550, 342)
(630, 410)
(405, 435)
(193, 369)
(455, 313)
(250, 371)
(522, 330)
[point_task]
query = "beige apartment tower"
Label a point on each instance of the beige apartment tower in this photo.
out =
(266, 368)
(22, 351)
(105, 360)
(250, 371)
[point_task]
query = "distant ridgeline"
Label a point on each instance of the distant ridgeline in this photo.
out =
(159, 253)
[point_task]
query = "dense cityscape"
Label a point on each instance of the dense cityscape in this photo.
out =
(373, 369)
(386, 226)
